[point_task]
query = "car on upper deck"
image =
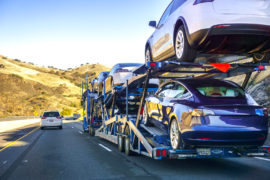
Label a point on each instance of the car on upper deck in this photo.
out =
(119, 74)
(206, 112)
(201, 28)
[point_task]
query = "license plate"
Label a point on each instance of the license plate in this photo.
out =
(204, 151)
(51, 120)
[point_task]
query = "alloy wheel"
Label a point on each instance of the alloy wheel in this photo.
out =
(174, 134)
(179, 44)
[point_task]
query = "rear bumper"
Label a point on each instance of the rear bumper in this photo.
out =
(232, 38)
(223, 137)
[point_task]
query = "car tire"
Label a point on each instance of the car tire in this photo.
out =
(175, 136)
(60, 127)
(41, 128)
(148, 55)
(183, 51)
(145, 116)
(261, 57)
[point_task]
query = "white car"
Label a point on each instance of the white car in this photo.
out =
(200, 28)
(51, 119)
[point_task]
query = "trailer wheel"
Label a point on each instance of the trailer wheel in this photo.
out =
(120, 143)
(127, 141)
(91, 131)
(127, 146)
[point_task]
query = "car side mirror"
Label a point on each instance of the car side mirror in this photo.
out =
(153, 24)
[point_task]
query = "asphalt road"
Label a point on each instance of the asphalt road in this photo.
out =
(71, 154)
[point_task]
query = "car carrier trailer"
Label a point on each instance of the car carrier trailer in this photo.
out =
(131, 136)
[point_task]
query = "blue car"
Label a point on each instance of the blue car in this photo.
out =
(206, 112)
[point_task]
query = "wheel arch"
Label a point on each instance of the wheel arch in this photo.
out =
(181, 22)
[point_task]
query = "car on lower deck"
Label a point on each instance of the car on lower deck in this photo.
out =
(201, 28)
(51, 119)
(206, 112)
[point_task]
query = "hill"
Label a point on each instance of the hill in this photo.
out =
(27, 89)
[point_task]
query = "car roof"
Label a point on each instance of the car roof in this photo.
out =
(127, 64)
(207, 82)
(50, 111)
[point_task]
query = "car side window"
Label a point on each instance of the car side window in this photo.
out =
(165, 90)
(177, 4)
(179, 92)
(165, 15)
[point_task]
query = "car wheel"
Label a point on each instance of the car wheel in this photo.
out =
(41, 128)
(259, 57)
(148, 56)
(183, 51)
(60, 127)
(175, 136)
(145, 117)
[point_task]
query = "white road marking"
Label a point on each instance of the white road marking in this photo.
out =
(25, 161)
(4, 162)
(105, 147)
(72, 127)
(80, 132)
(262, 158)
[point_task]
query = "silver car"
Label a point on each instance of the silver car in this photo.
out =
(119, 74)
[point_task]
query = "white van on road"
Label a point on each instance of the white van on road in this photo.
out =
(51, 119)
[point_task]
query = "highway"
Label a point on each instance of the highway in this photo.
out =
(31, 153)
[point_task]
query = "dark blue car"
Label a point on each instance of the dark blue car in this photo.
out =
(206, 112)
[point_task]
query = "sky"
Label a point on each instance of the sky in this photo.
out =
(68, 33)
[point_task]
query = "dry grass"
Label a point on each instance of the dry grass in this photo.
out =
(27, 89)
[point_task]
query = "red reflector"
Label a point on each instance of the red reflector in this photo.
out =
(221, 26)
(267, 148)
(153, 64)
(43, 117)
(204, 138)
(158, 152)
(164, 153)
(261, 138)
(141, 111)
(261, 67)
(224, 67)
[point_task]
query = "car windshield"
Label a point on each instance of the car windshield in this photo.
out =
(51, 114)
(126, 69)
(219, 91)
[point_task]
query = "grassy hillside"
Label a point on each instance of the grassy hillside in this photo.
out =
(27, 89)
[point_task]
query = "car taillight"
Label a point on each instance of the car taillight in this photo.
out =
(58, 117)
(201, 112)
(265, 112)
(202, 1)
(43, 117)
(141, 113)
